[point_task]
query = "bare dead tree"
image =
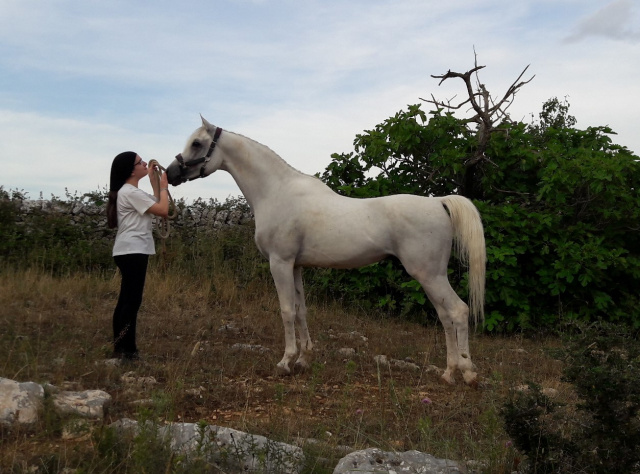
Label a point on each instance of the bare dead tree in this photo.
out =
(488, 114)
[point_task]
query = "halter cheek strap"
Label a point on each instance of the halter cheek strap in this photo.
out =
(184, 165)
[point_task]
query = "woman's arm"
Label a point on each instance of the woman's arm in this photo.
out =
(161, 208)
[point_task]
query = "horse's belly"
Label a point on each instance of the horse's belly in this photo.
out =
(340, 254)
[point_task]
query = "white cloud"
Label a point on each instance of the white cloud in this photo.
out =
(617, 21)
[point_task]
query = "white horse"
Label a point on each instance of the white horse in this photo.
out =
(301, 222)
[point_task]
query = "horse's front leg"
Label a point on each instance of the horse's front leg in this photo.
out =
(306, 345)
(282, 273)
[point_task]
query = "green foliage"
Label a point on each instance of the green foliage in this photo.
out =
(408, 151)
(527, 417)
(49, 240)
(603, 364)
(53, 242)
(111, 448)
(377, 287)
(602, 436)
(9, 232)
(560, 208)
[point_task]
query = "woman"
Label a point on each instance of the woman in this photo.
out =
(130, 209)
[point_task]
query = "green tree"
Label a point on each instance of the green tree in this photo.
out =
(560, 207)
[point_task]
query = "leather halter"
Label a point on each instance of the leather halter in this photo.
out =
(185, 165)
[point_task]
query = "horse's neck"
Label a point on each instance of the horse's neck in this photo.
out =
(256, 169)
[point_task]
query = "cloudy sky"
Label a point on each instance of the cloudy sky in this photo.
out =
(82, 80)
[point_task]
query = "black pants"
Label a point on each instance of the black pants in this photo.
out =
(133, 268)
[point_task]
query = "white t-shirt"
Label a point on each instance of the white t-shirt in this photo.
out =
(134, 224)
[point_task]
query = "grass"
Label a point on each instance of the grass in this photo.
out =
(57, 329)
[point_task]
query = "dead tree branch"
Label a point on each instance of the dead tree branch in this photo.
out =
(487, 111)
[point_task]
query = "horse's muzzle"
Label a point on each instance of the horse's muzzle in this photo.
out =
(175, 173)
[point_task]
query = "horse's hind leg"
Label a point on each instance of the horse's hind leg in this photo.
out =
(301, 322)
(454, 316)
(283, 278)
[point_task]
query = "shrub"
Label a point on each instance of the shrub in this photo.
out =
(601, 434)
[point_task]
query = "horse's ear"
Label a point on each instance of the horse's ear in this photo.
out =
(206, 124)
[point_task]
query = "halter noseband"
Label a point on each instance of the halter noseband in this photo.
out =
(185, 165)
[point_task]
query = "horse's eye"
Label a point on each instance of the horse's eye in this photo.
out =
(196, 144)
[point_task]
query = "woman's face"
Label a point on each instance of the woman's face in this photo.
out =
(139, 168)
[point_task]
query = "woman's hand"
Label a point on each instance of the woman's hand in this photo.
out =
(160, 191)
(161, 208)
(164, 180)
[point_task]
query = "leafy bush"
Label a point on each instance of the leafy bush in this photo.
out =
(601, 434)
(530, 421)
(560, 208)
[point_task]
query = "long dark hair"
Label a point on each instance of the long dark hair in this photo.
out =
(121, 169)
(112, 210)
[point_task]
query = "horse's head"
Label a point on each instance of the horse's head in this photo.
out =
(197, 160)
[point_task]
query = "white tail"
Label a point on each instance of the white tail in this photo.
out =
(470, 247)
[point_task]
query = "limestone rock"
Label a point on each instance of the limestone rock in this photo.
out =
(384, 361)
(130, 378)
(235, 450)
(250, 348)
(87, 404)
(20, 403)
(347, 351)
(376, 461)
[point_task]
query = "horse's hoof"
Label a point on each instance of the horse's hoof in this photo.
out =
(448, 379)
(471, 379)
(473, 384)
(283, 370)
(300, 367)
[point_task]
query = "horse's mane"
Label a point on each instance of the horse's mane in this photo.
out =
(278, 157)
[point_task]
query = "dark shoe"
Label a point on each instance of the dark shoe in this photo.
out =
(127, 356)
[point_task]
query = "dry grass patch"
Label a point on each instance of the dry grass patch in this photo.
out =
(58, 330)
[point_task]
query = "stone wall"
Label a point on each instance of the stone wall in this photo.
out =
(201, 216)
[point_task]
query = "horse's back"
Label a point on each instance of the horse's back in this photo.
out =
(316, 227)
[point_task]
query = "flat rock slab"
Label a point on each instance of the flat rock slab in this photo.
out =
(235, 450)
(376, 461)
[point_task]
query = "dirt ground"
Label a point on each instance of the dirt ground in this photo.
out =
(213, 360)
